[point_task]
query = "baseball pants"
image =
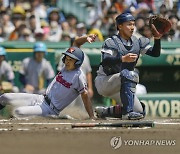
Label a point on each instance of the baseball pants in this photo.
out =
(110, 86)
(27, 104)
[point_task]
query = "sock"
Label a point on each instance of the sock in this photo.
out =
(113, 111)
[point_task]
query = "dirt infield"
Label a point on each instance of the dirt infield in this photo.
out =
(48, 136)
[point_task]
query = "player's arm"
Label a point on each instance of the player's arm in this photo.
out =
(155, 51)
(87, 104)
(89, 82)
(147, 49)
(112, 60)
(83, 39)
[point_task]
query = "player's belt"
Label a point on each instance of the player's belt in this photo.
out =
(48, 102)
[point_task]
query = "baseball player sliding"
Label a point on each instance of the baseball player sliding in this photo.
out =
(65, 87)
(116, 77)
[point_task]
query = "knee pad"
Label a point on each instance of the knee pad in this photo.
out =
(129, 79)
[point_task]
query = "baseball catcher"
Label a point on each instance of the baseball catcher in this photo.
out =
(116, 77)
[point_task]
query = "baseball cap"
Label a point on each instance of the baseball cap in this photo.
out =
(124, 17)
(80, 25)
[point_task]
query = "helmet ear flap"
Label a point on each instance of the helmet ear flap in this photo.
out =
(63, 59)
(78, 64)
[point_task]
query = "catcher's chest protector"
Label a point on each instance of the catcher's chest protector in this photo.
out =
(135, 48)
(122, 49)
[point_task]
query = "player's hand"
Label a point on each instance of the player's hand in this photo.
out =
(91, 38)
(130, 57)
(93, 118)
(29, 88)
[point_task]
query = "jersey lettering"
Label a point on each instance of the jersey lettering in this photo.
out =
(59, 78)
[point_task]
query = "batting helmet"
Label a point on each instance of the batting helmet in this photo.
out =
(124, 17)
(75, 53)
(2, 51)
(40, 47)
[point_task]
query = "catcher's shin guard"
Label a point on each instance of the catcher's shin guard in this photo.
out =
(112, 111)
(129, 79)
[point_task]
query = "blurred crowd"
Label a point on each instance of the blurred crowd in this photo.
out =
(141, 10)
(33, 20)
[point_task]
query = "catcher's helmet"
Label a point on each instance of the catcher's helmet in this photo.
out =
(2, 51)
(40, 47)
(75, 53)
(124, 17)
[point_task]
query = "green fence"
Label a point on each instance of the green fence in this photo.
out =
(162, 105)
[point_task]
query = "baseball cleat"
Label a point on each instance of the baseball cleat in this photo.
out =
(100, 111)
(132, 116)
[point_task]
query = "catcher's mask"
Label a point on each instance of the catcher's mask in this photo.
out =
(75, 53)
(124, 17)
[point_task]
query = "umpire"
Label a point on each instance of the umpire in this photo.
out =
(116, 77)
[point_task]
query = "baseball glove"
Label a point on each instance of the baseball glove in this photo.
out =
(159, 25)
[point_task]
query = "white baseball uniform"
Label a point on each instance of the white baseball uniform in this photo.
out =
(64, 88)
(86, 68)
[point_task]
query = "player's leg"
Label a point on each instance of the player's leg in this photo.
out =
(36, 110)
(108, 85)
(129, 79)
(110, 111)
(116, 110)
(20, 99)
(139, 106)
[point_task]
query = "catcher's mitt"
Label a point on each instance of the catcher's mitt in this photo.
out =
(159, 25)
